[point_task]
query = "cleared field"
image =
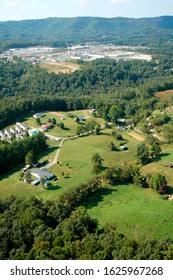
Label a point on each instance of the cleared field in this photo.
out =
(165, 95)
(137, 212)
(62, 117)
(75, 165)
(60, 67)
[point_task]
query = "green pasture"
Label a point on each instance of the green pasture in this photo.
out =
(136, 212)
(74, 165)
(62, 117)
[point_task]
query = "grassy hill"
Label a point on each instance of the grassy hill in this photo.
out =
(59, 31)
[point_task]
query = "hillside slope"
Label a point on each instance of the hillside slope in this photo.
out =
(55, 31)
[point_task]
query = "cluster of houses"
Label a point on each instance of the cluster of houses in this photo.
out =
(18, 131)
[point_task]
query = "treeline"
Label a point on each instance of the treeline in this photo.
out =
(12, 154)
(131, 85)
(33, 230)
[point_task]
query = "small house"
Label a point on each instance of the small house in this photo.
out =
(46, 126)
(8, 133)
(13, 130)
(2, 134)
(38, 115)
(121, 128)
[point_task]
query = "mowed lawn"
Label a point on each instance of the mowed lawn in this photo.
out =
(137, 212)
(70, 124)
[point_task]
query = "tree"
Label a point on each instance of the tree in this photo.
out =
(42, 181)
(155, 149)
(30, 158)
(97, 163)
(61, 125)
(112, 146)
(97, 129)
(159, 183)
(38, 121)
(27, 175)
(77, 119)
(142, 153)
(53, 121)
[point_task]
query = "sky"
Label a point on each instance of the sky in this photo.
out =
(36, 9)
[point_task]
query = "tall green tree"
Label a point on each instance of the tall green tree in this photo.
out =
(142, 153)
(97, 163)
(30, 158)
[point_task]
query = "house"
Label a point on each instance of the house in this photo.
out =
(8, 132)
(22, 126)
(2, 134)
(81, 118)
(13, 130)
(121, 128)
(42, 173)
(26, 168)
(46, 126)
(38, 115)
(18, 129)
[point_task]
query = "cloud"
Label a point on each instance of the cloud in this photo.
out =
(120, 1)
(26, 5)
(11, 3)
(80, 3)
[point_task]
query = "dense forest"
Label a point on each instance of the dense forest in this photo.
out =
(63, 31)
(131, 85)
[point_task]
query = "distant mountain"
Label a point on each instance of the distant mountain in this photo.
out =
(59, 31)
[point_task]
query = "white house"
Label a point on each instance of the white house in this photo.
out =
(38, 115)
(2, 134)
(8, 132)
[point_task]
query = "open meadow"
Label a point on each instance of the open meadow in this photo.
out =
(136, 212)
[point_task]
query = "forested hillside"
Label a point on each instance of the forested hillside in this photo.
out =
(63, 31)
(131, 85)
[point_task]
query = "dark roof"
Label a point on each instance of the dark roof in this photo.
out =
(41, 173)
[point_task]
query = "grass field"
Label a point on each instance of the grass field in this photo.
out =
(62, 117)
(60, 67)
(75, 165)
(165, 95)
(135, 211)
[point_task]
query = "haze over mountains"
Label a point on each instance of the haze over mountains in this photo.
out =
(57, 31)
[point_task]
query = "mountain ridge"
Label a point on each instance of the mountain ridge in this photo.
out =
(55, 30)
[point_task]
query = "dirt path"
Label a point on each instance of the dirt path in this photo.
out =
(55, 113)
(136, 136)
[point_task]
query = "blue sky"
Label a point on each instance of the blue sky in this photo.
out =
(34, 9)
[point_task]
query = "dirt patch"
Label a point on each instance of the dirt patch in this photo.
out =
(57, 114)
(137, 136)
(164, 95)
